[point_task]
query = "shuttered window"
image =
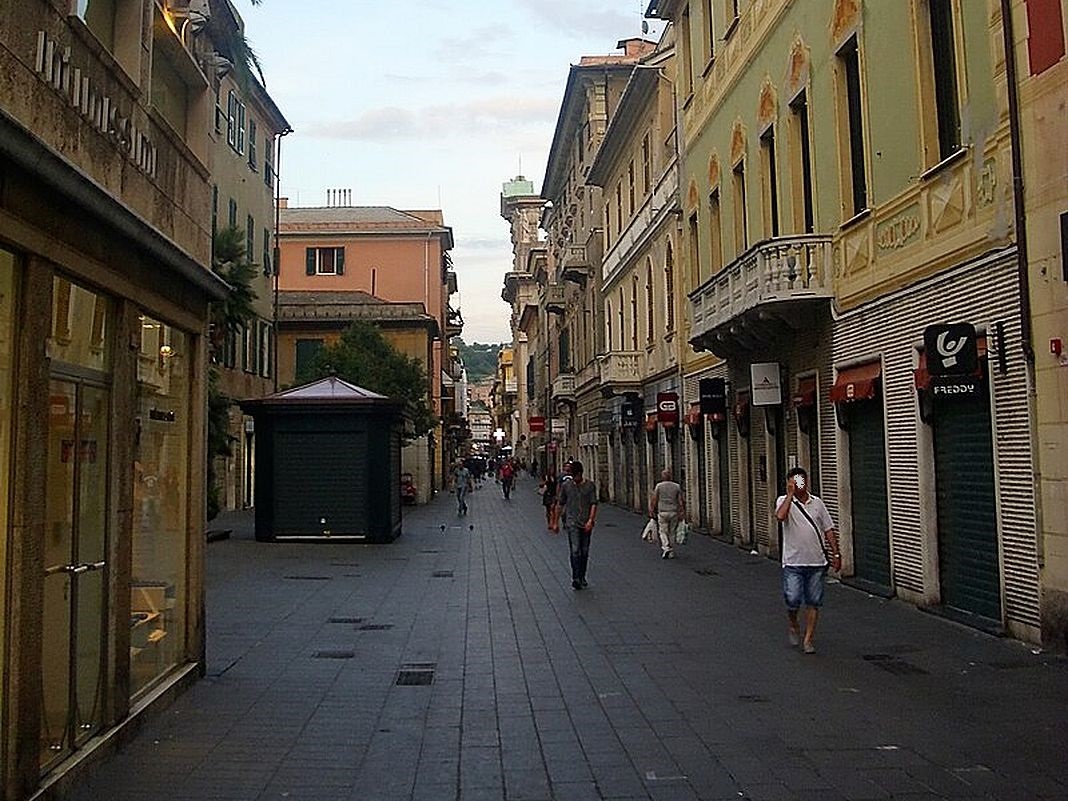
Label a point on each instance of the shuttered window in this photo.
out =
(324, 261)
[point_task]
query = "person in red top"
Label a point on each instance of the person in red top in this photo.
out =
(507, 476)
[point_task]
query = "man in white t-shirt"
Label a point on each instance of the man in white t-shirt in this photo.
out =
(809, 546)
(667, 506)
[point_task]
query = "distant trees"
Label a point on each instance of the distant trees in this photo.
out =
(479, 359)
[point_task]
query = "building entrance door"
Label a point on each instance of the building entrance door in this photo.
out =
(75, 558)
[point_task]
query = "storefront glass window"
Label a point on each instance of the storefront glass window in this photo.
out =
(161, 475)
(79, 326)
(7, 353)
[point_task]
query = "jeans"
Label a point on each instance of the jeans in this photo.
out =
(666, 523)
(803, 586)
(579, 540)
(461, 501)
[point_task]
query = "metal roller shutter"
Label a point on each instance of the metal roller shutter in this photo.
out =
(967, 515)
(867, 471)
(319, 474)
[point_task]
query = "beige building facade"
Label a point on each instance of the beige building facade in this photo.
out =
(105, 243)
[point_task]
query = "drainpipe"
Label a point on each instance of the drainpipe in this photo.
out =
(1023, 275)
(277, 246)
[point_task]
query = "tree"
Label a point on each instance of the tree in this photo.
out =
(363, 356)
(228, 317)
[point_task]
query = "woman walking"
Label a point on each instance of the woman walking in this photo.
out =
(548, 496)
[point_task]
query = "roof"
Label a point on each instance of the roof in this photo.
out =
(361, 219)
(637, 96)
(295, 306)
(330, 391)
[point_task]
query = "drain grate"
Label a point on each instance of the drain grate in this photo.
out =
(333, 654)
(376, 627)
(306, 578)
(352, 620)
(705, 571)
(442, 574)
(416, 674)
(894, 664)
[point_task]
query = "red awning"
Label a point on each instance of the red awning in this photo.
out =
(806, 392)
(650, 421)
(857, 383)
(693, 417)
(923, 378)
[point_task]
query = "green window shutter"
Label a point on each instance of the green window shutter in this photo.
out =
(309, 260)
(339, 260)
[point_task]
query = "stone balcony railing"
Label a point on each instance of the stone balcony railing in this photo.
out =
(776, 276)
(564, 386)
(622, 371)
(575, 264)
(554, 298)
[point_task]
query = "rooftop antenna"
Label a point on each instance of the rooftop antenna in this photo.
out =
(520, 165)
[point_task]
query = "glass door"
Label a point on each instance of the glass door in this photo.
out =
(75, 597)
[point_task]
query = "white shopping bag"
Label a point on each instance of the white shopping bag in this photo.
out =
(682, 532)
(649, 533)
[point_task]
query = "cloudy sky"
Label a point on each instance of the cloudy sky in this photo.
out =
(429, 104)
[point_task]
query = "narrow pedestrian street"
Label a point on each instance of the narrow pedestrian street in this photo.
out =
(663, 680)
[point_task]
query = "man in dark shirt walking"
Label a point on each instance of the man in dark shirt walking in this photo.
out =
(577, 499)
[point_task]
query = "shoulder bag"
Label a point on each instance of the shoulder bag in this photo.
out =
(815, 528)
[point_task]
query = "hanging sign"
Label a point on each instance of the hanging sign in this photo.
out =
(713, 392)
(667, 409)
(537, 424)
(951, 349)
(766, 384)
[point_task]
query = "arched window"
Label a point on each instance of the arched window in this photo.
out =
(650, 324)
(634, 313)
(669, 288)
(608, 322)
(622, 322)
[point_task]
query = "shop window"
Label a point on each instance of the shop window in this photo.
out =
(79, 326)
(851, 131)
(158, 596)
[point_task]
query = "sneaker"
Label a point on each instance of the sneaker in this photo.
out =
(795, 638)
(808, 648)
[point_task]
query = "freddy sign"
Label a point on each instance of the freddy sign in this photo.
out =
(951, 349)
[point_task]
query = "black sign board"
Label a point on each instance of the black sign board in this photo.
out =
(713, 393)
(951, 349)
(631, 413)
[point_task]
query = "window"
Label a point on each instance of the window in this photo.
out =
(324, 261)
(250, 239)
(619, 206)
(855, 186)
(741, 222)
(219, 115)
(944, 61)
(252, 144)
(233, 213)
(710, 29)
(630, 188)
(214, 213)
(694, 254)
(732, 15)
(241, 128)
(268, 161)
(608, 323)
(715, 229)
(770, 183)
(634, 312)
(307, 350)
(621, 320)
(248, 358)
(230, 349)
(265, 348)
(650, 326)
(267, 251)
(669, 286)
(646, 166)
(565, 350)
(607, 225)
(231, 119)
(802, 168)
(687, 54)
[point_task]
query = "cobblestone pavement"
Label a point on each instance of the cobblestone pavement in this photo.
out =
(665, 680)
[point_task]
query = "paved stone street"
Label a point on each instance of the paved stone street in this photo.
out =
(665, 680)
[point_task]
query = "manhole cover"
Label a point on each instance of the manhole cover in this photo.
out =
(895, 665)
(416, 674)
(306, 578)
(376, 627)
(352, 620)
(334, 654)
(442, 574)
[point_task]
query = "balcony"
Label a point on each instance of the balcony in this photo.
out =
(575, 265)
(526, 304)
(564, 387)
(622, 372)
(773, 289)
(554, 299)
(454, 323)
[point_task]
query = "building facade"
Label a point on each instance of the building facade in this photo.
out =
(105, 246)
(391, 255)
(833, 210)
(245, 132)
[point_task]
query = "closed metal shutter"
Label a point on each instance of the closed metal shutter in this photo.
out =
(318, 479)
(967, 516)
(723, 451)
(867, 472)
(758, 444)
(702, 478)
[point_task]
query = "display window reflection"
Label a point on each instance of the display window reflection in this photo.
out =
(161, 482)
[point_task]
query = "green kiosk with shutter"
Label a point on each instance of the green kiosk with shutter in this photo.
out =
(327, 463)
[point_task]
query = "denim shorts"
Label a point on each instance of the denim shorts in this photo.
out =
(803, 586)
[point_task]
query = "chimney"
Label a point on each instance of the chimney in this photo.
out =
(636, 47)
(283, 203)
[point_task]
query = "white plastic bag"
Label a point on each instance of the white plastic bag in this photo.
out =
(649, 533)
(682, 532)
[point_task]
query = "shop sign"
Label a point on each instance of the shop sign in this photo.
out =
(951, 349)
(667, 409)
(537, 424)
(631, 414)
(766, 384)
(955, 387)
(713, 394)
(559, 426)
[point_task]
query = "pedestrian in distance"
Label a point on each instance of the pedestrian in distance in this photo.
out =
(667, 506)
(577, 502)
(547, 488)
(507, 477)
(462, 483)
(809, 547)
